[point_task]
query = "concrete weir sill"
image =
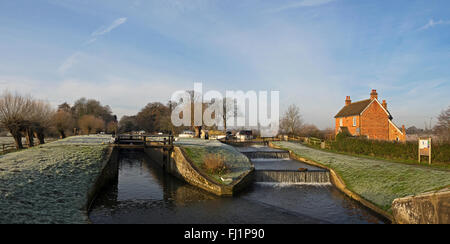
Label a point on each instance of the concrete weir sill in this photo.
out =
(339, 183)
(109, 173)
(178, 164)
(426, 208)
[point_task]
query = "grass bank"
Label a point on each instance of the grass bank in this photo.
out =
(49, 183)
(197, 149)
(378, 181)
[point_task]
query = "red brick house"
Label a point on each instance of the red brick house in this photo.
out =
(368, 118)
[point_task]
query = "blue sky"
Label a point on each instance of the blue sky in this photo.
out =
(129, 53)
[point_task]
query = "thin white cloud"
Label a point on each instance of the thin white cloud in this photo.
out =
(69, 62)
(102, 31)
(300, 4)
(431, 23)
(74, 58)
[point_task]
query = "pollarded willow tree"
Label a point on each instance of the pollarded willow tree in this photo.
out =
(41, 119)
(22, 115)
(90, 123)
(15, 113)
(63, 121)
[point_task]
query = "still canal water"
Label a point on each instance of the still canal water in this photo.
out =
(145, 194)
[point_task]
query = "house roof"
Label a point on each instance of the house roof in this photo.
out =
(357, 108)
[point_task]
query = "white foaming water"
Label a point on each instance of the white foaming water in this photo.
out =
(269, 159)
(284, 184)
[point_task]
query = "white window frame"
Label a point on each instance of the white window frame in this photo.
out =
(354, 121)
(340, 122)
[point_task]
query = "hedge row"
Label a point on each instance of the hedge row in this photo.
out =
(390, 150)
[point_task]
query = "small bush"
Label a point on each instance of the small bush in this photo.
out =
(342, 135)
(215, 163)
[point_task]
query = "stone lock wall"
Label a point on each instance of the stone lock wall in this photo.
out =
(176, 163)
(427, 208)
(108, 174)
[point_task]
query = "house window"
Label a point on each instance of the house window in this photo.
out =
(354, 121)
(340, 122)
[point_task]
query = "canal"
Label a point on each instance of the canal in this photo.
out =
(144, 193)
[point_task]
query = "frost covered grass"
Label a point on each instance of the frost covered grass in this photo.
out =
(9, 140)
(49, 183)
(377, 181)
(197, 149)
(86, 140)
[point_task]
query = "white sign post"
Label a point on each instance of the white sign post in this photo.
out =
(425, 148)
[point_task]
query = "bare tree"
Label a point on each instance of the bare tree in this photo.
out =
(128, 124)
(229, 109)
(41, 119)
(14, 112)
(291, 122)
(112, 127)
(90, 123)
(442, 128)
(63, 121)
(152, 118)
(310, 130)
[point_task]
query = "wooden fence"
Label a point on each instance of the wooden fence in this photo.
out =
(308, 140)
(11, 146)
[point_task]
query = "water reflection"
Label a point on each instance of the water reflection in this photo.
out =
(145, 194)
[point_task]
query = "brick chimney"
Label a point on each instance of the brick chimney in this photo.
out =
(403, 130)
(384, 104)
(347, 100)
(373, 94)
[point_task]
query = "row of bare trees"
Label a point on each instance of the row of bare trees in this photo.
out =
(154, 117)
(292, 124)
(23, 116)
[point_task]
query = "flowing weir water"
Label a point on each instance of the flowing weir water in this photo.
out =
(274, 165)
(144, 193)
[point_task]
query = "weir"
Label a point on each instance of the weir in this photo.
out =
(293, 177)
(276, 166)
(267, 154)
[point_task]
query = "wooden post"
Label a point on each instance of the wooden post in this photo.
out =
(429, 151)
(425, 151)
(418, 149)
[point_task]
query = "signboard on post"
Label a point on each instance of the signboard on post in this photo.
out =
(425, 148)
